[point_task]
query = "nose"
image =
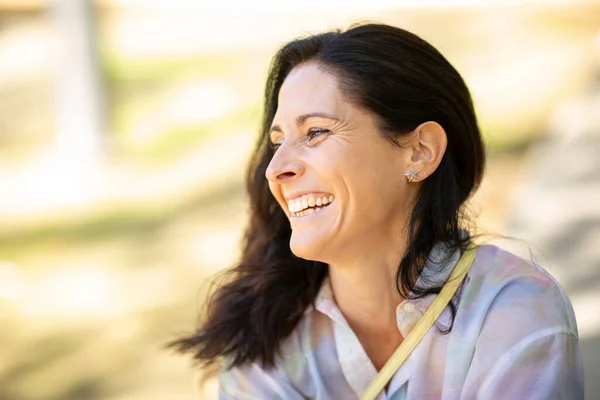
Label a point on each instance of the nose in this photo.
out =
(284, 165)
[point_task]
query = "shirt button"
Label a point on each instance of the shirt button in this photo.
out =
(409, 307)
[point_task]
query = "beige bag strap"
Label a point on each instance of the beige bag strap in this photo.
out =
(422, 326)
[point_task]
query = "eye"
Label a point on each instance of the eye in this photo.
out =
(315, 132)
(311, 134)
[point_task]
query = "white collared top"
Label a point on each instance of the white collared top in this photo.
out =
(514, 337)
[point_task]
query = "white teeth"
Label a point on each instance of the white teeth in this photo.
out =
(299, 206)
(307, 212)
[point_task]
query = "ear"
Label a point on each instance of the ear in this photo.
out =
(428, 144)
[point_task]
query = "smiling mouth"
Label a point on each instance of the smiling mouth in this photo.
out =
(309, 211)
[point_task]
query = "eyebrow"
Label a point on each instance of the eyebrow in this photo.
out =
(302, 118)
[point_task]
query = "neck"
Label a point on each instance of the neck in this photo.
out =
(367, 297)
(365, 292)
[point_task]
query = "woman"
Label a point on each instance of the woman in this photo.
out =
(368, 151)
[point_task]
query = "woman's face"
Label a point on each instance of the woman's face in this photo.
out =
(332, 157)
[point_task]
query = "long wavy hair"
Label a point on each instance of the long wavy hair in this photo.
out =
(402, 80)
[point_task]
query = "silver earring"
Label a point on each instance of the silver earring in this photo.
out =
(412, 175)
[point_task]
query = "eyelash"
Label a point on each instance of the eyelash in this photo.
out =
(311, 134)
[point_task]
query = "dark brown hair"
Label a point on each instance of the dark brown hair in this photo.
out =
(402, 80)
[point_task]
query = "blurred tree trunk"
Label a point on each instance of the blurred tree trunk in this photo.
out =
(79, 106)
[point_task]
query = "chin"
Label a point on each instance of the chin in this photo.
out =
(306, 248)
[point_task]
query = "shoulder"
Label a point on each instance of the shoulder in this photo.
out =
(517, 327)
(287, 378)
(254, 381)
(504, 290)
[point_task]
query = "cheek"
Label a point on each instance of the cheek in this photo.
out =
(377, 190)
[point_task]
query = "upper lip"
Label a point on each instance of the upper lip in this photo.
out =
(295, 195)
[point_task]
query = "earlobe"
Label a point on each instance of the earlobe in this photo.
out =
(429, 146)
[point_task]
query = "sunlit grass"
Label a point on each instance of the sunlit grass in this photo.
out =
(125, 70)
(161, 108)
(112, 223)
(175, 141)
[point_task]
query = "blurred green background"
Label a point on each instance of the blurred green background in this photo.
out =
(125, 127)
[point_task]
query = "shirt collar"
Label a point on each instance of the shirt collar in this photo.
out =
(325, 303)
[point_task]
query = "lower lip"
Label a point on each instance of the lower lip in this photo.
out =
(309, 216)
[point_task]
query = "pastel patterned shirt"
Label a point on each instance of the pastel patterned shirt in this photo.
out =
(514, 337)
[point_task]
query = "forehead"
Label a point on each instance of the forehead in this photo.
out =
(308, 89)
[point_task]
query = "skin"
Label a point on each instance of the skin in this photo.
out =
(361, 235)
